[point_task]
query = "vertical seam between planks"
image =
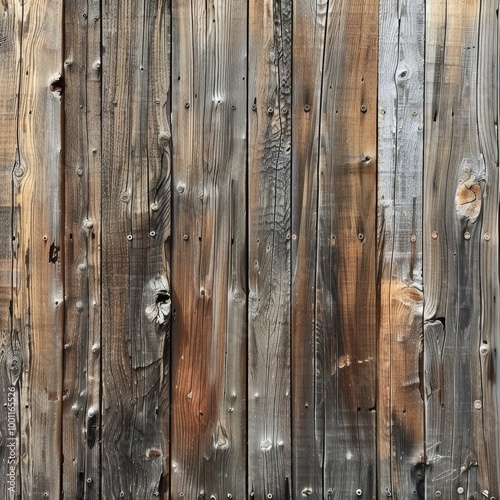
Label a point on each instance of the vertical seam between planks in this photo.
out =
(170, 243)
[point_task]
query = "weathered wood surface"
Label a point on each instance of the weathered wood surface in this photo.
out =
(269, 235)
(82, 236)
(460, 165)
(400, 416)
(209, 184)
(249, 249)
(135, 280)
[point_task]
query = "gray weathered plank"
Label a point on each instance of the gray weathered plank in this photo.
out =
(346, 326)
(487, 121)
(455, 182)
(38, 296)
(308, 410)
(135, 241)
(269, 260)
(208, 444)
(400, 411)
(82, 337)
(9, 346)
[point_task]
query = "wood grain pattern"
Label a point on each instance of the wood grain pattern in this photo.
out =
(400, 415)
(269, 418)
(135, 248)
(9, 348)
(308, 437)
(38, 295)
(82, 338)
(456, 181)
(346, 265)
(209, 244)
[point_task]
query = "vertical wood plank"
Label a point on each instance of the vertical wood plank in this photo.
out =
(82, 338)
(209, 245)
(487, 120)
(346, 326)
(460, 154)
(308, 411)
(135, 248)
(400, 415)
(9, 346)
(38, 295)
(269, 125)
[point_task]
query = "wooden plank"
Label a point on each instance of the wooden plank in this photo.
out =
(308, 433)
(487, 113)
(208, 444)
(269, 260)
(400, 415)
(9, 355)
(345, 322)
(135, 248)
(38, 295)
(455, 183)
(82, 338)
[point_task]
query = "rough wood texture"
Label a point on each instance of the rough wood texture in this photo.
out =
(9, 345)
(208, 262)
(308, 436)
(82, 338)
(458, 176)
(269, 126)
(135, 273)
(400, 416)
(38, 296)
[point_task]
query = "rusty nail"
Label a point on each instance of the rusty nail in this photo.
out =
(434, 235)
(478, 404)
(307, 108)
(487, 236)
(363, 108)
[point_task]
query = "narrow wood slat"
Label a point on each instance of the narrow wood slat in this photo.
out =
(455, 185)
(269, 234)
(82, 338)
(487, 119)
(208, 444)
(9, 345)
(345, 318)
(135, 248)
(308, 436)
(400, 411)
(38, 295)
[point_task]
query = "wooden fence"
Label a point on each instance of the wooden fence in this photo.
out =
(249, 249)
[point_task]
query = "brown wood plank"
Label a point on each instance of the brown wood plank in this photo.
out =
(9, 349)
(38, 295)
(269, 261)
(400, 410)
(456, 182)
(82, 338)
(346, 326)
(208, 262)
(308, 410)
(135, 248)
